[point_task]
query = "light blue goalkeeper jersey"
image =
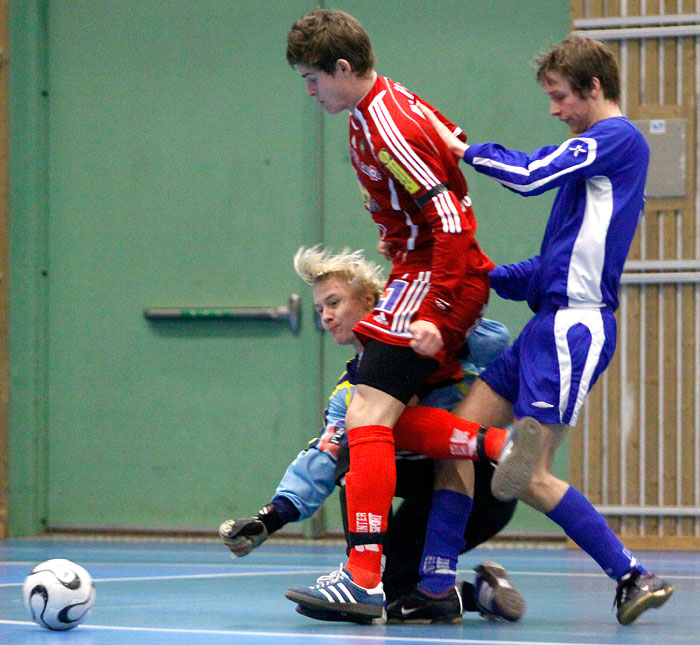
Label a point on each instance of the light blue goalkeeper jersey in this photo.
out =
(310, 478)
(600, 176)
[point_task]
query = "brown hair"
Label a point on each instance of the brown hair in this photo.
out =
(324, 36)
(580, 60)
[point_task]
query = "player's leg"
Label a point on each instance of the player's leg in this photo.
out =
(445, 534)
(567, 351)
(437, 598)
(490, 403)
(388, 377)
(403, 540)
(637, 589)
(371, 480)
(492, 594)
(356, 588)
(438, 434)
(403, 543)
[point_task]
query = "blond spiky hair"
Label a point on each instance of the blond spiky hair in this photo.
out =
(316, 263)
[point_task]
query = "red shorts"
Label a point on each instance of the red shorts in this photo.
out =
(404, 293)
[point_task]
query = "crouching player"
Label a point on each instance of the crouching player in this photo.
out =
(345, 287)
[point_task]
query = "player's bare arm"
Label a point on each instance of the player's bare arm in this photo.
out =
(455, 146)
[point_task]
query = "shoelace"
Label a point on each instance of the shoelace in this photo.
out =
(626, 583)
(620, 597)
(330, 578)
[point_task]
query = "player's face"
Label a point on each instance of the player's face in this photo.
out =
(339, 308)
(332, 91)
(567, 106)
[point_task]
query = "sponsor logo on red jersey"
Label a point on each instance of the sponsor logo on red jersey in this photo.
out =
(398, 172)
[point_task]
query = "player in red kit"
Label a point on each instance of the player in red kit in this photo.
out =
(437, 291)
(418, 199)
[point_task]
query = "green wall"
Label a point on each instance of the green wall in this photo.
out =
(163, 153)
(28, 261)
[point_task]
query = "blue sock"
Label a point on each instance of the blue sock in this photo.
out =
(588, 528)
(444, 540)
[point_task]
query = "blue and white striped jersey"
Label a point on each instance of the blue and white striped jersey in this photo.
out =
(600, 176)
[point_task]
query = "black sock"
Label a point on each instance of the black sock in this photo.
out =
(468, 601)
(277, 513)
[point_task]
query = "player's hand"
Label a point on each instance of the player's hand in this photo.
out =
(383, 250)
(427, 339)
(455, 146)
(243, 535)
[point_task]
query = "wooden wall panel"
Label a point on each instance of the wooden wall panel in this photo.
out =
(687, 417)
(631, 337)
(595, 8)
(634, 8)
(668, 404)
(612, 8)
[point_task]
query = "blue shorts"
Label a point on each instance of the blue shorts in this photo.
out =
(548, 371)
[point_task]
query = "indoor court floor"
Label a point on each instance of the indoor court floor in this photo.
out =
(175, 591)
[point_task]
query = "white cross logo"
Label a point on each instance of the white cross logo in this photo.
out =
(577, 149)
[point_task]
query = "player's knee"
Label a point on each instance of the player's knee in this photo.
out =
(355, 417)
(370, 406)
(360, 410)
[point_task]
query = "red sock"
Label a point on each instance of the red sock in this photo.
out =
(369, 488)
(493, 442)
(439, 434)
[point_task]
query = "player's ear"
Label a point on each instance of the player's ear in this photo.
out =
(342, 66)
(595, 88)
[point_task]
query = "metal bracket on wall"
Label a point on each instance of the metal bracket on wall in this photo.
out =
(290, 312)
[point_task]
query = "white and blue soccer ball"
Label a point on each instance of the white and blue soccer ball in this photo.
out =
(58, 594)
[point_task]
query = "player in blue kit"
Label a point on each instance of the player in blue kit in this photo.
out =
(345, 286)
(571, 285)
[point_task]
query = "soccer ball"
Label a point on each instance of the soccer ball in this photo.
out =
(58, 594)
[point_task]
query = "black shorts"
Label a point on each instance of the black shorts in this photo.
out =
(397, 371)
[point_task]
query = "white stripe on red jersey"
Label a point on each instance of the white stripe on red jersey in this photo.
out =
(398, 145)
(410, 303)
(399, 161)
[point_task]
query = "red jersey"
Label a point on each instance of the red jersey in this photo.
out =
(412, 186)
